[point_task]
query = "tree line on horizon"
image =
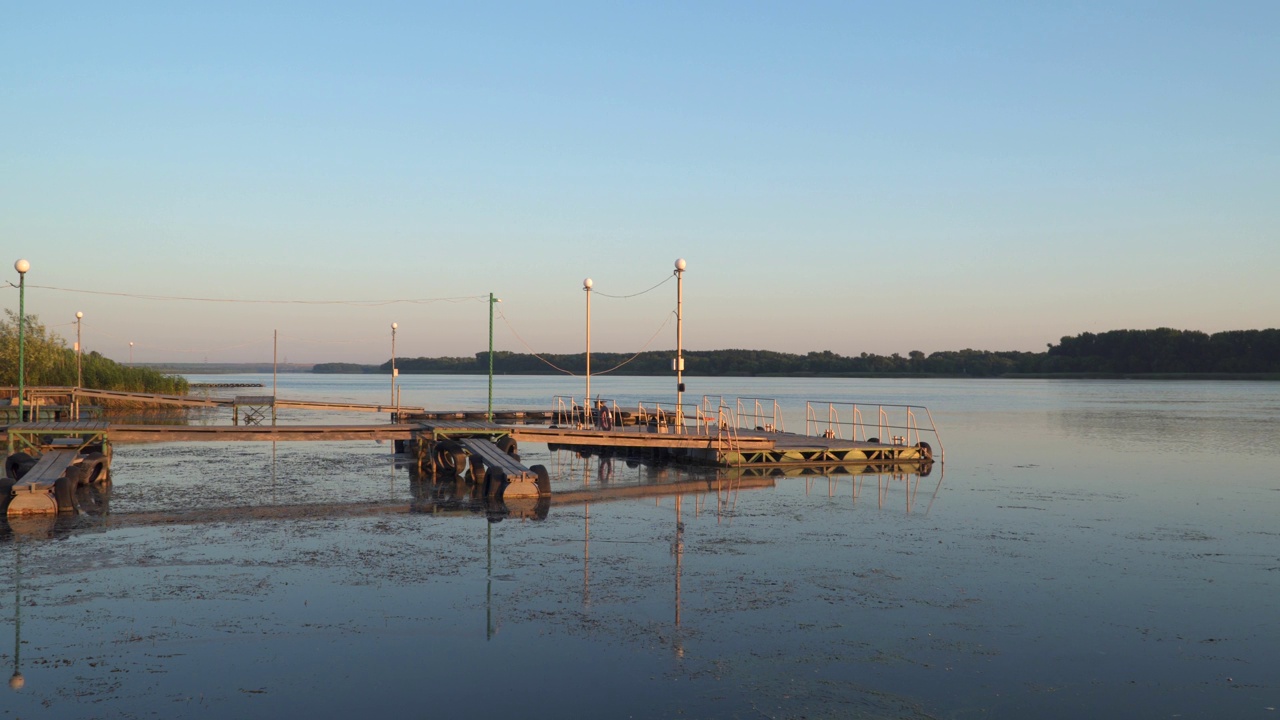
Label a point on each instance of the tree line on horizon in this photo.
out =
(48, 361)
(1116, 352)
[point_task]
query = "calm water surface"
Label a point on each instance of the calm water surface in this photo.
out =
(1092, 548)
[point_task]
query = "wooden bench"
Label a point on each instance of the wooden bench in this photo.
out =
(494, 458)
(35, 493)
(505, 475)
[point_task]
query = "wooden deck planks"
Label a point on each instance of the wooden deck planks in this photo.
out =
(260, 433)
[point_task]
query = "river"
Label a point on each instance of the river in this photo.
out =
(1089, 548)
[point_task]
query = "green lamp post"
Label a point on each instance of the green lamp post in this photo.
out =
(22, 266)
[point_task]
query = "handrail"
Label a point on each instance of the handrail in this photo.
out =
(585, 414)
(889, 420)
(669, 414)
(768, 420)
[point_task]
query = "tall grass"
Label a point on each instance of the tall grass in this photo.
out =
(48, 361)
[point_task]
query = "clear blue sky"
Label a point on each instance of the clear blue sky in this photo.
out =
(858, 177)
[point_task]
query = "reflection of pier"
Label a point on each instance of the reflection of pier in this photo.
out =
(454, 497)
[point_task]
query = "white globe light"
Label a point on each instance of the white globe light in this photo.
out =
(680, 264)
(79, 315)
(394, 325)
(586, 284)
(22, 266)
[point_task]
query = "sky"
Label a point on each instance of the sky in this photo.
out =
(845, 176)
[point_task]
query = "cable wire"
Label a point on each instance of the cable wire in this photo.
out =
(642, 292)
(641, 350)
(355, 303)
(530, 349)
(552, 365)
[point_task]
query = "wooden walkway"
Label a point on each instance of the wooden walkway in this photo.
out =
(705, 445)
(259, 433)
(231, 402)
(730, 449)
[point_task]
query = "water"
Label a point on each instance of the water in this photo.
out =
(1093, 548)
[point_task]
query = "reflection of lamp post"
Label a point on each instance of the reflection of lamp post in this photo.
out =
(679, 361)
(17, 681)
(492, 300)
(586, 287)
(22, 266)
(393, 362)
(488, 583)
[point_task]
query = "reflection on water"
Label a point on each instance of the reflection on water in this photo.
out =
(1054, 573)
(16, 681)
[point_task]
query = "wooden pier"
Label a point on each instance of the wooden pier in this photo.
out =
(477, 458)
(464, 445)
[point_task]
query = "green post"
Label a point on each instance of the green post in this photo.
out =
(491, 302)
(22, 266)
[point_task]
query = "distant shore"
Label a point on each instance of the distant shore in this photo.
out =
(260, 368)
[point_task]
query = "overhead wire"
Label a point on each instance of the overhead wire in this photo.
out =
(642, 349)
(95, 331)
(642, 292)
(530, 349)
(552, 365)
(353, 303)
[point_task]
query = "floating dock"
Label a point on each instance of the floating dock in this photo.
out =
(746, 439)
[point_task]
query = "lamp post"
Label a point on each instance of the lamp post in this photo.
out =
(22, 266)
(393, 363)
(586, 287)
(79, 352)
(679, 361)
(492, 300)
(130, 352)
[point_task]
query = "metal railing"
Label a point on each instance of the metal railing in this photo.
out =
(583, 415)
(682, 418)
(759, 414)
(890, 420)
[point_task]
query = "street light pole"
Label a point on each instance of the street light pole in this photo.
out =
(492, 300)
(75, 399)
(393, 363)
(22, 266)
(79, 351)
(679, 361)
(130, 353)
(586, 287)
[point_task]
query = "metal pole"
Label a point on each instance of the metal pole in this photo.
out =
(22, 266)
(75, 400)
(489, 415)
(680, 266)
(79, 351)
(586, 401)
(130, 352)
(393, 363)
(275, 361)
